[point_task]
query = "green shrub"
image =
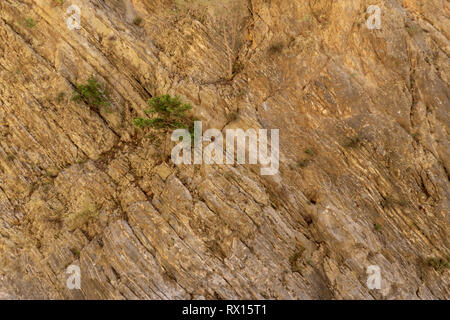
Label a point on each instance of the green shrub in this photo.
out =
(294, 259)
(237, 67)
(377, 227)
(91, 93)
(29, 23)
(413, 29)
(75, 252)
(232, 116)
(166, 112)
(275, 48)
(60, 97)
(303, 163)
(438, 264)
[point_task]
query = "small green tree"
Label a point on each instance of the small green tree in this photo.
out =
(167, 113)
(91, 93)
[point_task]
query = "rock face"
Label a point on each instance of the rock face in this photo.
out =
(364, 150)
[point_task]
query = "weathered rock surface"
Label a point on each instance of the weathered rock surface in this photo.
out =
(84, 187)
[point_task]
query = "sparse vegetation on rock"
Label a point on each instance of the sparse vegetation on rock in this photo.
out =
(363, 152)
(276, 48)
(91, 94)
(165, 112)
(438, 264)
(303, 163)
(137, 21)
(29, 23)
(294, 259)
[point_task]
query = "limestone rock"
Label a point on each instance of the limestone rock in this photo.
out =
(364, 150)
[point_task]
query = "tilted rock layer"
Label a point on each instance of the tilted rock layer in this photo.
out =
(364, 150)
